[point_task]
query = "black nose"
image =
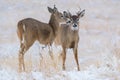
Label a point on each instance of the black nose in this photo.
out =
(75, 25)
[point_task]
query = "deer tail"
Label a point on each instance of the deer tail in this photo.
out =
(20, 30)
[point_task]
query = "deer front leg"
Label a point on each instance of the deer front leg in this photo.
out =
(76, 58)
(50, 52)
(64, 58)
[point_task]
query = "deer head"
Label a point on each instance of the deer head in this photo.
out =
(73, 20)
(58, 15)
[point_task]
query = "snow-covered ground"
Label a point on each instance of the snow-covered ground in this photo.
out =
(99, 45)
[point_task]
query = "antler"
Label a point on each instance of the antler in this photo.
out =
(69, 13)
(79, 8)
(55, 7)
(78, 13)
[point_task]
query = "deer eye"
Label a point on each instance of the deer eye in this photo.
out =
(77, 19)
(62, 16)
(68, 21)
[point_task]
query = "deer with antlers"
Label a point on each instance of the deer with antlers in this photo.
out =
(29, 30)
(68, 36)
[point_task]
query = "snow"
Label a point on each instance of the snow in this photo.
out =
(98, 51)
(91, 73)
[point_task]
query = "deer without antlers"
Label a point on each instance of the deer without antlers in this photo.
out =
(29, 30)
(68, 36)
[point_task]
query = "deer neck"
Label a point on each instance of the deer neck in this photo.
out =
(54, 24)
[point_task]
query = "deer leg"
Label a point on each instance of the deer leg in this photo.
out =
(50, 51)
(64, 58)
(76, 58)
(21, 54)
(23, 64)
(24, 49)
(20, 60)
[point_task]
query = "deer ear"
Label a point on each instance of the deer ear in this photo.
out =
(81, 14)
(67, 14)
(50, 10)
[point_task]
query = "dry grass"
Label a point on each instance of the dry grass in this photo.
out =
(33, 63)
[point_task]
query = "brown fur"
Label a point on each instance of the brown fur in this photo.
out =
(29, 30)
(69, 38)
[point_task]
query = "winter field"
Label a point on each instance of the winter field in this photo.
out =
(99, 45)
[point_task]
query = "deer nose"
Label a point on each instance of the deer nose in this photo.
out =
(75, 25)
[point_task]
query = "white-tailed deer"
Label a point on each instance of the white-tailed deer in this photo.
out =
(29, 30)
(68, 36)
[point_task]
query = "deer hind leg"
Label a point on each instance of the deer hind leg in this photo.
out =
(21, 57)
(23, 50)
(64, 58)
(76, 58)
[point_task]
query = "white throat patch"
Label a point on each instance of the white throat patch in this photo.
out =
(74, 28)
